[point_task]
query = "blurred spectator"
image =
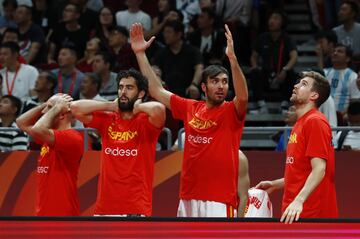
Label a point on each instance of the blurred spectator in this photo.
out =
(10, 107)
(348, 32)
(272, 60)
(207, 4)
(90, 87)
(181, 64)
(43, 16)
(44, 89)
(165, 13)
(283, 136)
(7, 20)
(105, 22)
(18, 79)
(342, 79)
(88, 17)
(68, 31)
(189, 9)
(95, 5)
(325, 43)
(350, 139)
(330, 11)
(121, 49)
(12, 35)
(101, 66)
(237, 15)
(328, 108)
(68, 77)
(133, 14)
(92, 46)
(31, 39)
(208, 38)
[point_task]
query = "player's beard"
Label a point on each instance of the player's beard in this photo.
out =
(127, 106)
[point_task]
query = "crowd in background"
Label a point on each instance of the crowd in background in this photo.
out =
(77, 47)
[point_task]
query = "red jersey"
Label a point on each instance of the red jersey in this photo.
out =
(57, 173)
(311, 137)
(127, 163)
(212, 141)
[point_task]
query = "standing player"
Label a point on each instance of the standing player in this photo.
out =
(129, 130)
(309, 189)
(213, 130)
(60, 155)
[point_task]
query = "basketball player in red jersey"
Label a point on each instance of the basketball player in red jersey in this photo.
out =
(309, 188)
(213, 130)
(129, 130)
(60, 155)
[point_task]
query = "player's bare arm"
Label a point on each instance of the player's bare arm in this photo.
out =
(240, 86)
(155, 111)
(42, 129)
(82, 109)
(293, 211)
(243, 183)
(139, 45)
(27, 120)
(271, 186)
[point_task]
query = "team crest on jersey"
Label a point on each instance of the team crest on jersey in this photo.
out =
(121, 135)
(201, 124)
(292, 138)
(44, 150)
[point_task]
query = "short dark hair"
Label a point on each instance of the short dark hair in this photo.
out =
(28, 9)
(12, 3)
(329, 35)
(51, 78)
(141, 81)
(353, 5)
(354, 107)
(71, 47)
(212, 71)
(120, 29)
(210, 12)
(283, 17)
(16, 102)
(107, 57)
(321, 86)
(348, 51)
(176, 25)
(13, 46)
(95, 79)
(77, 7)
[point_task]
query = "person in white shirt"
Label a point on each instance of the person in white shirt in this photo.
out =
(17, 79)
(133, 14)
(342, 79)
(350, 139)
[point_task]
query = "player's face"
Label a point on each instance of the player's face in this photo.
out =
(302, 91)
(216, 89)
(128, 93)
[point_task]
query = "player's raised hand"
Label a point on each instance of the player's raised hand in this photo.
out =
(230, 52)
(138, 43)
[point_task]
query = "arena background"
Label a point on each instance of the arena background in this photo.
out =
(17, 185)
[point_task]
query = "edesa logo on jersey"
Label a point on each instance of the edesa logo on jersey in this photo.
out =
(292, 138)
(201, 124)
(44, 150)
(121, 135)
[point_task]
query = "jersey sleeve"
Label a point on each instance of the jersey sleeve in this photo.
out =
(179, 107)
(318, 139)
